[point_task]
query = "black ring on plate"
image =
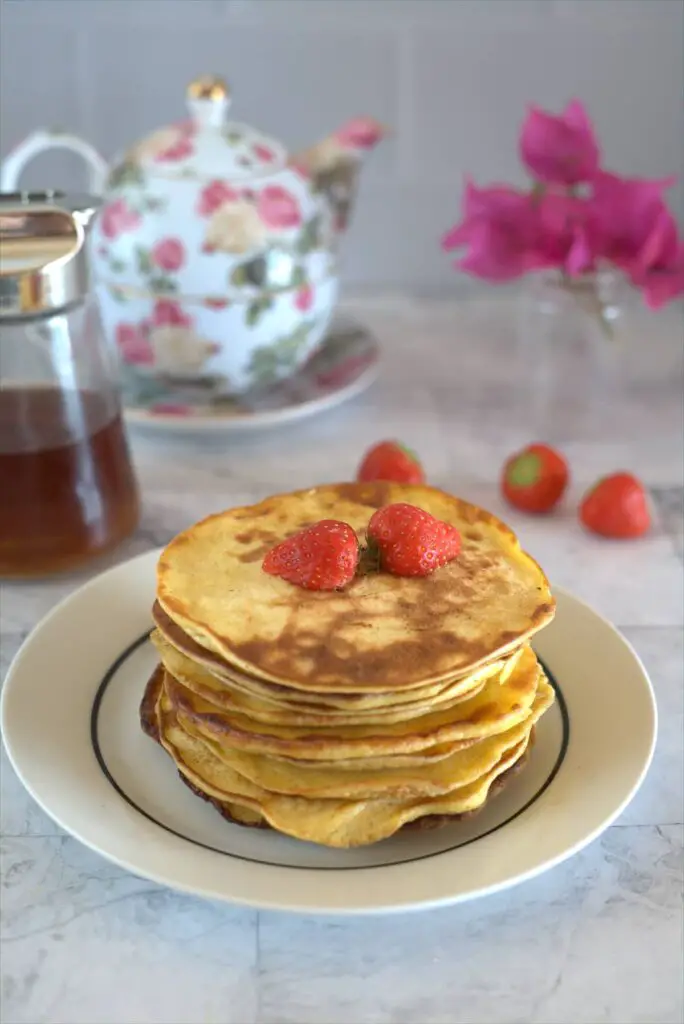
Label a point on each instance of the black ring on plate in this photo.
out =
(95, 741)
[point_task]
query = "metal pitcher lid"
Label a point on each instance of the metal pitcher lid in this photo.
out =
(43, 262)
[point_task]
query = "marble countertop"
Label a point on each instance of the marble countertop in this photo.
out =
(597, 939)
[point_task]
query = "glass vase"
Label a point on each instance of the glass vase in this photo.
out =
(568, 374)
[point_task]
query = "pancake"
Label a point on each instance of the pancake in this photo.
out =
(336, 823)
(148, 721)
(390, 784)
(173, 636)
(494, 709)
(382, 633)
(243, 815)
(224, 697)
(248, 817)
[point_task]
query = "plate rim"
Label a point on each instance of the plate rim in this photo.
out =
(379, 905)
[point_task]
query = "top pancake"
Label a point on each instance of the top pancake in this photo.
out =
(382, 632)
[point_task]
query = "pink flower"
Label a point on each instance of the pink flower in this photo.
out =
(304, 298)
(559, 150)
(263, 152)
(566, 236)
(502, 230)
(178, 150)
(360, 133)
(213, 196)
(658, 269)
(117, 217)
(278, 208)
(168, 313)
(133, 346)
(216, 303)
(624, 211)
(168, 254)
(170, 409)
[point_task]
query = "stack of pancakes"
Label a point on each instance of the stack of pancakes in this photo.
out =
(341, 717)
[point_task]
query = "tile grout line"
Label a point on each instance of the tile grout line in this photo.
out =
(257, 969)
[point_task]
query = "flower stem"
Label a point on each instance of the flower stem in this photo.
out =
(590, 299)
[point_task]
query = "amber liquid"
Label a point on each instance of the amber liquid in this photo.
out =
(67, 489)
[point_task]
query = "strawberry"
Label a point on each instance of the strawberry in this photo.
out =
(411, 542)
(535, 478)
(616, 506)
(323, 556)
(390, 460)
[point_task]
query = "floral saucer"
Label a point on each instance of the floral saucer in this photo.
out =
(345, 364)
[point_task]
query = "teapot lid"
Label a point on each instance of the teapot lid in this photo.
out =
(206, 145)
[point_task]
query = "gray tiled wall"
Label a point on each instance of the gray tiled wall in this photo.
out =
(451, 76)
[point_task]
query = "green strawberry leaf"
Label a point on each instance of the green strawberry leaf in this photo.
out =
(525, 471)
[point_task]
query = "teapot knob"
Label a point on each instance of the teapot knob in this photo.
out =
(208, 100)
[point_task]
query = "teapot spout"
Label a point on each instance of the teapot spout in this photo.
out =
(333, 164)
(351, 142)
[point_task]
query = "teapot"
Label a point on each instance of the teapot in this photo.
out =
(215, 253)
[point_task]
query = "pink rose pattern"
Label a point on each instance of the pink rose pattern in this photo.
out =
(264, 153)
(274, 206)
(213, 196)
(304, 298)
(360, 133)
(278, 208)
(168, 313)
(169, 254)
(133, 346)
(132, 339)
(183, 147)
(117, 218)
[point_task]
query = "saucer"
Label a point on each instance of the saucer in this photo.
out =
(344, 366)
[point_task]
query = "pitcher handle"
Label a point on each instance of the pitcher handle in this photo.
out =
(42, 140)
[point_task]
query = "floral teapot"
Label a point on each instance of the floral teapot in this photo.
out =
(215, 253)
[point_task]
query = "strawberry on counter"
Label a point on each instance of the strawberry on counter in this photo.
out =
(616, 506)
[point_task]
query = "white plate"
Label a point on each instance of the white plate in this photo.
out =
(69, 717)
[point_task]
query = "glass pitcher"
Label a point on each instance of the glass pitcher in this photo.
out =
(67, 488)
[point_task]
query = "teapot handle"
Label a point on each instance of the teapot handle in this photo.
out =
(39, 142)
